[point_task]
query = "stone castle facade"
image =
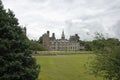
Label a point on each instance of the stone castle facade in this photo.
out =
(53, 44)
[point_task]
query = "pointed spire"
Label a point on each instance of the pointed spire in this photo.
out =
(63, 35)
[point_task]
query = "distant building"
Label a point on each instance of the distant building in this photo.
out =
(53, 44)
(24, 30)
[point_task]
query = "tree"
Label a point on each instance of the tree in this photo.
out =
(107, 64)
(107, 60)
(35, 46)
(40, 40)
(16, 62)
(88, 45)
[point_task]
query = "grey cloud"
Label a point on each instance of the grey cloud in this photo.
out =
(74, 16)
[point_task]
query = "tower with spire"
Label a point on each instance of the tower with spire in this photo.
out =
(63, 35)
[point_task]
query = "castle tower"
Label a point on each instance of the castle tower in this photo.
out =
(53, 36)
(45, 38)
(63, 35)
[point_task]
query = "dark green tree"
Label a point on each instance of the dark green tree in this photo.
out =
(16, 62)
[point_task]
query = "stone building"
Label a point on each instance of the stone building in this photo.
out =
(53, 44)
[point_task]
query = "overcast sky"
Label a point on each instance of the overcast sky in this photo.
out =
(84, 17)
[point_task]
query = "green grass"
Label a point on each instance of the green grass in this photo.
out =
(66, 67)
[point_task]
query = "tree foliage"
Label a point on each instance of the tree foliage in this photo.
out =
(88, 45)
(107, 61)
(35, 46)
(16, 62)
(40, 40)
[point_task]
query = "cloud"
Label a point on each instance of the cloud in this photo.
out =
(74, 16)
(116, 30)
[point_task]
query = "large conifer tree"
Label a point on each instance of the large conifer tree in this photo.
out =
(16, 62)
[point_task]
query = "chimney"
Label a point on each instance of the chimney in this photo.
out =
(48, 33)
(53, 35)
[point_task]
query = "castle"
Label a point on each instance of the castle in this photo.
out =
(53, 44)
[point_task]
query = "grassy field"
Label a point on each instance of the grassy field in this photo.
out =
(66, 67)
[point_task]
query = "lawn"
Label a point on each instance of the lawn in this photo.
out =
(66, 67)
